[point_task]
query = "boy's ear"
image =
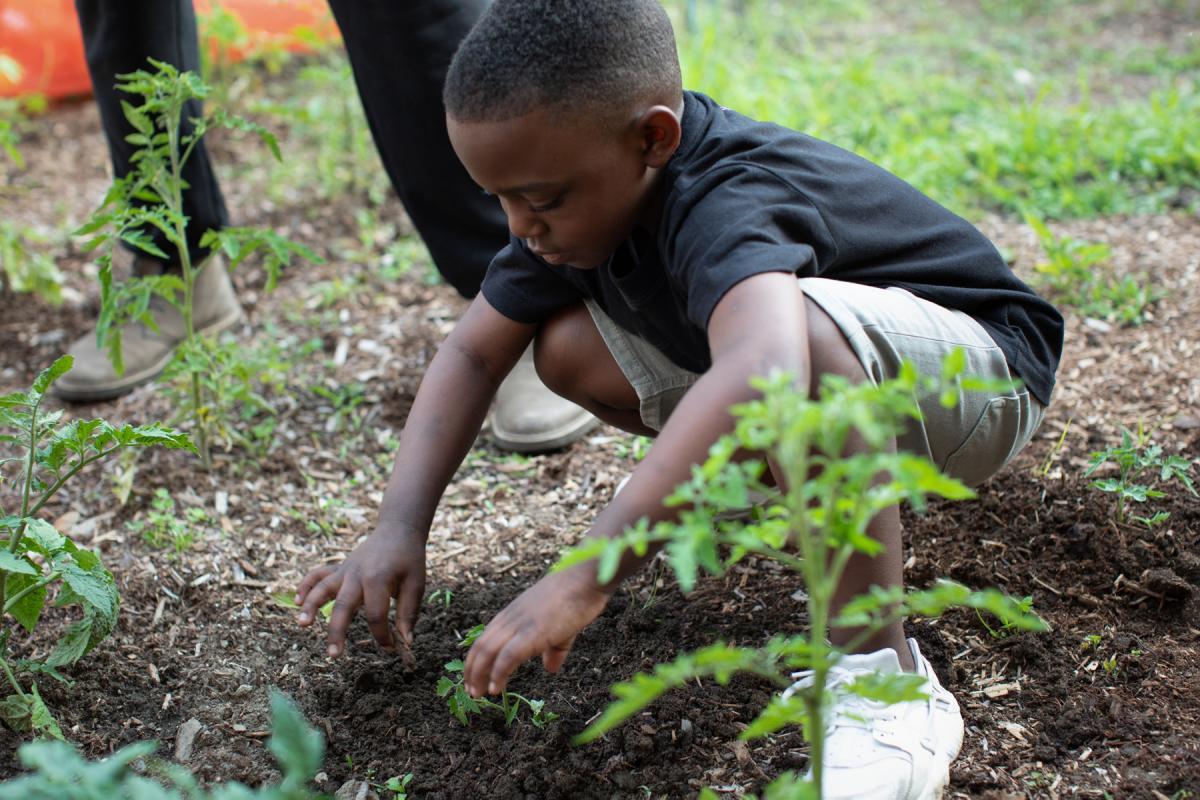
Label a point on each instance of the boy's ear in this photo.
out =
(659, 131)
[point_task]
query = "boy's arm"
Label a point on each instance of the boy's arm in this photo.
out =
(759, 325)
(446, 415)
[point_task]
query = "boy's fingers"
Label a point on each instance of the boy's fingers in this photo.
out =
(347, 602)
(376, 605)
(478, 666)
(408, 608)
(317, 596)
(515, 652)
(553, 658)
(313, 577)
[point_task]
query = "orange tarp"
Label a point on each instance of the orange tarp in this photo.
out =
(42, 37)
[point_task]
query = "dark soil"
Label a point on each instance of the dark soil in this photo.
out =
(201, 636)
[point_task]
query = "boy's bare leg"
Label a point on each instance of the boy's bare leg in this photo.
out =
(832, 353)
(574, 361)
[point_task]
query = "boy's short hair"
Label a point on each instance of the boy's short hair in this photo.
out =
(579, 57)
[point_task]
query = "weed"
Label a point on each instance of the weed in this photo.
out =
(38, 558)
(59, 772)
(26, 267)
(441, 597)
(1110, 665)
(462, 706)
(1074, 274)
(824, 518)
(1048, 463)
(1090, 642)
(1137, 461)
(1009, 626)
(397, 785)
(343, 399)
(150, 197)
(636, 447)
(162, 526)
(285, 600)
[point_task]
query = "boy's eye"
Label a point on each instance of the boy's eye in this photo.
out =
(549, 206)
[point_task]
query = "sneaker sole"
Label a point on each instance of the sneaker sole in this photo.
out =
(96, 393)
(542, 442)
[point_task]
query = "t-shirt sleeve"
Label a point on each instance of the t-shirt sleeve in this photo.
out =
(739, 222)
(523, 288)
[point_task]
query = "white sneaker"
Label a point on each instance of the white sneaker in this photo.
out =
(887, 752)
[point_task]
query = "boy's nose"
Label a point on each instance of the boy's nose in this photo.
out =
(524, 225)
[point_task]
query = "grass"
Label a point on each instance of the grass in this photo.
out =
(982, 111)
(1049, 108)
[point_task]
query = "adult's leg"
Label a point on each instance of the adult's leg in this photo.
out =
(118, 36)
(400, 53)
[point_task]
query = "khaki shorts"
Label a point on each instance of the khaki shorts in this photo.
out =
(971, 441)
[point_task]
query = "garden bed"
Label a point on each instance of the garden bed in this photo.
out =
(1054, 714)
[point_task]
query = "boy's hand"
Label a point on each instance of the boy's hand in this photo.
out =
(386, 565)
(543, 620)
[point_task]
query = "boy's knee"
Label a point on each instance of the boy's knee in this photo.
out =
(557, 348)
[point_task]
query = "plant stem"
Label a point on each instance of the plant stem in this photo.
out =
(12, 601)
(33, 437)
(12, 679)
(189, 277)
(58, 484)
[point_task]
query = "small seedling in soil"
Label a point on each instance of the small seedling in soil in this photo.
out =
(162, 526)
(1137, 461)
(462, 706)
(1007, 626)
(813, 530)
(1090, 642)
(397, 785)
(442, 597)
(39, 565)
(285, 600)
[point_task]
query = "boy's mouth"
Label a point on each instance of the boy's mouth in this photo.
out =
(551, 257)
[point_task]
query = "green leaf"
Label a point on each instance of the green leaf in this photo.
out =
(49, 375)
(297, 746)
(29, 713)
(889, 688)
(80, 637)
(780, 713)
(511, 714)
(954, 364)
(28, 609)
(719, 661)
(17, 564)
(789, 786)
(95, 586)
(43, 538)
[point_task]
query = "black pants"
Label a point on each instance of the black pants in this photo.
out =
(399, 50)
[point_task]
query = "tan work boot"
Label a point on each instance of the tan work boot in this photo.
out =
(529, 418)
(147, 352)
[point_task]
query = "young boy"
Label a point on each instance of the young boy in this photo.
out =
(664, 250)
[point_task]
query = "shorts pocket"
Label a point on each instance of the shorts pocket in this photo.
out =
(992, 442)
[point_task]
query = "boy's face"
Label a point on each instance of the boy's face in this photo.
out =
(572, 191)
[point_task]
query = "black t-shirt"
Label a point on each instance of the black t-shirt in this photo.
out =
(741, 197)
